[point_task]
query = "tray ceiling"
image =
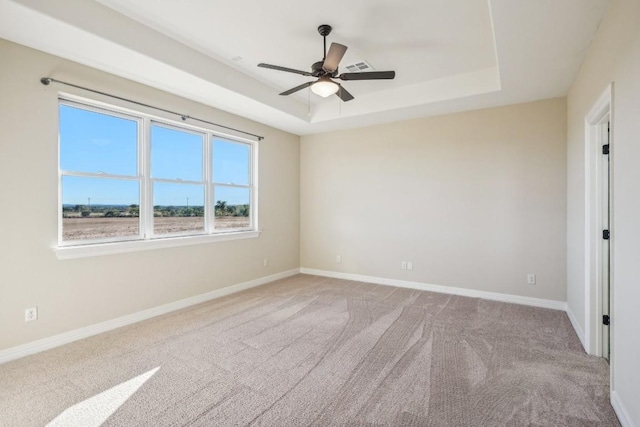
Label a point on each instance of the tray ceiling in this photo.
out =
(448, 55)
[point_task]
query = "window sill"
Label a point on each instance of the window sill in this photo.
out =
(83, 251)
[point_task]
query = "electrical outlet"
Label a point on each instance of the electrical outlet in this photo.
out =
(409, 265)
(265, 262)
(531, 279)
(31, 314)
(338, 259)
(403, 265)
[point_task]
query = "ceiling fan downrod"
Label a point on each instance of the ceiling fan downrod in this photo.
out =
(324, 31)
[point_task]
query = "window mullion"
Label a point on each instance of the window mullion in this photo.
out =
(207, 168)
(253, 193)
(212, 188)
(147, 184)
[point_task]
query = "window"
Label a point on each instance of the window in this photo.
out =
(131, 177)
(177, 177)
(100, 180)
(231, 184)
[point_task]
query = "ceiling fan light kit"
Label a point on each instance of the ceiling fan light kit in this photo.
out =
(327, 69)
(324, 87)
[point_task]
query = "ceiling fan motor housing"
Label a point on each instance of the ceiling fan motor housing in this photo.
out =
(318, 71)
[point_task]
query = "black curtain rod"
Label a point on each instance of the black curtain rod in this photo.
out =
(48, 80)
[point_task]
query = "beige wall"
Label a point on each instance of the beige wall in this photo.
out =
(474, 200)
(75, 293)
(614, 56)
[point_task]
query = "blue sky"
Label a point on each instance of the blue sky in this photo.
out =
(100, 143)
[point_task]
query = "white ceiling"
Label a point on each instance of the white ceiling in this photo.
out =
(449, 55)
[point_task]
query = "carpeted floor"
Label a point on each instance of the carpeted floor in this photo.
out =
(308, 350)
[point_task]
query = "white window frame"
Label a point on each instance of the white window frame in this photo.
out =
(146, 239)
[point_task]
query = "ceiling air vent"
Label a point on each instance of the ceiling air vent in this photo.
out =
(359, 67)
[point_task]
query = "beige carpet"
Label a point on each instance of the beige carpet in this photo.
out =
(315, 351)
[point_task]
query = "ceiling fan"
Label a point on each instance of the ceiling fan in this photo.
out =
(327, 70)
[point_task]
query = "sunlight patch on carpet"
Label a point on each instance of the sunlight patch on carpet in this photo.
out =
(95, 410)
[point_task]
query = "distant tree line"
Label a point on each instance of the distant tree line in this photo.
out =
(112, 211)
(181, 211)
(222, 208)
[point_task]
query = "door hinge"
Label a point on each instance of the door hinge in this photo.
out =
(605, 234)
(605, 319)
(605, 149)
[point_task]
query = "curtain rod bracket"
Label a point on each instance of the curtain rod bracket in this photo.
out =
(45, 81)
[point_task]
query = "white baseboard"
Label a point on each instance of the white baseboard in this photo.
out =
(77, 334)
(516, 299)
(577, 328)
(621, 410)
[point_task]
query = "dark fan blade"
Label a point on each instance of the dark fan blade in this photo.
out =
(372, 75)
(297, 88)
(288, 70)
(334, 56)
(343, 94)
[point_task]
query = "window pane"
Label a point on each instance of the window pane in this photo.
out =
(232, 207)
(230, 162)
(96, 142)
(175, 154)
(178, 208)
(96, 208)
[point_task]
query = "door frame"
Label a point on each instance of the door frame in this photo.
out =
(598, 116)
